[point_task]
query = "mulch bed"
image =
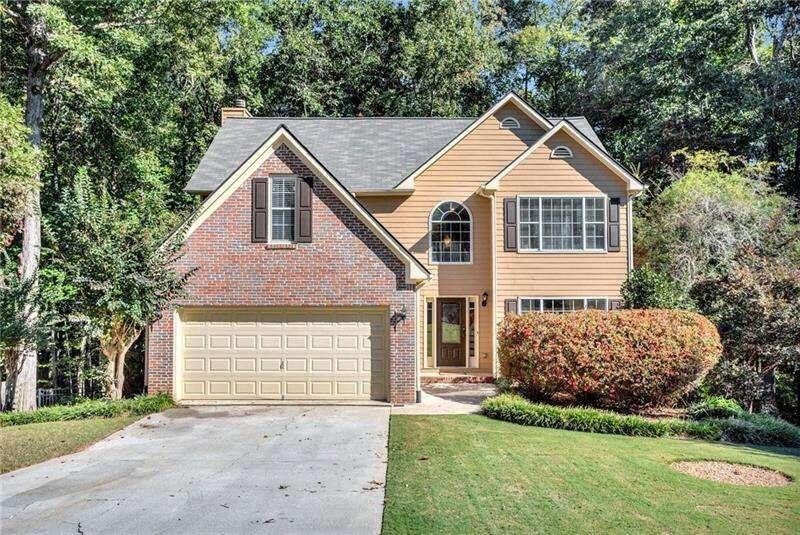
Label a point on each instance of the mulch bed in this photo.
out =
(735, 474)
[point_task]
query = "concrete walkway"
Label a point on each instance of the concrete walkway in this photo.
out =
(280, 469)
(449, 398)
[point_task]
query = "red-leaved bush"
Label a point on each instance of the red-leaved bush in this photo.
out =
(626, 359)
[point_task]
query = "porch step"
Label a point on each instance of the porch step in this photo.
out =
(456, 378)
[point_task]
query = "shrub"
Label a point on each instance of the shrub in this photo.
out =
(517, 409)
(715, 407)
(648, 288)
(98, 408)
(759, 429)
(623, 359)
(503, 385)
(745, 428)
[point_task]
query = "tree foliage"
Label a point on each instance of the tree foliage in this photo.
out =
(131, 92)
(19, 165)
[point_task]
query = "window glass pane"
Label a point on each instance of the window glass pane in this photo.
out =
(529, 223)
(530, 305)
(558, 306)
(451, 229)
(562, 223)
(597, 304)
(595, 223)
(451, 323)
(429, 330)
(471, 331)
(282, 198)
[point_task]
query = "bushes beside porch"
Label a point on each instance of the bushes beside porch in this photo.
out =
(626, 359)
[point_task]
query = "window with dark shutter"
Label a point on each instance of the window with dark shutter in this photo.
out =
(303, 219)
(260, 212)
(510, 224)
(613, 224)
(511, 306)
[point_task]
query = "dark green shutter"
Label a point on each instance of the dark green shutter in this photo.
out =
(259, 216)
(302, 214)
(613, 224)
(510, 224)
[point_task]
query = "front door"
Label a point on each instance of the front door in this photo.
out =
(451, 332)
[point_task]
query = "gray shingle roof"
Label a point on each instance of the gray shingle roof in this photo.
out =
(363, 153)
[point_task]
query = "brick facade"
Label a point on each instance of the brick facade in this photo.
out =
(345, 265)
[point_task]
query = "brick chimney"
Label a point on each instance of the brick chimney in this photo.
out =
(239, 109)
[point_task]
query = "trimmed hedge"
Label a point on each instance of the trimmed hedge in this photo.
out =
(96, 408)
(516, 409)
(625, 359)
(748, 428)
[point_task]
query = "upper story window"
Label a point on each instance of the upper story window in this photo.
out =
(282, 206)
(561, 152)
(451, 234)
(562, 223)
(509, 123)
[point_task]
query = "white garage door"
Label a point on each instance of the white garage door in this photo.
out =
(282, 354)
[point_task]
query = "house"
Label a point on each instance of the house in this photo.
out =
(347, 258)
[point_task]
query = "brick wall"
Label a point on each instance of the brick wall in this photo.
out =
(345, 265)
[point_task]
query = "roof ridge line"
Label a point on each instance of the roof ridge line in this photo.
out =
(347, 118)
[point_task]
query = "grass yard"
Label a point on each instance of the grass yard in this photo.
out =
(470, 474)
(24, 445)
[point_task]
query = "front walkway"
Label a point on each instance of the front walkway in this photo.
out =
(281, 469)
(449, 398)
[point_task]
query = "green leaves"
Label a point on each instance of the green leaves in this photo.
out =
(19, 165)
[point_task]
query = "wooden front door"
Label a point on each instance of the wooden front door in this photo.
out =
(452, 330)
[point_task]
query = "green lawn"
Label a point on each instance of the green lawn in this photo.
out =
(23, 445)
(470, 474)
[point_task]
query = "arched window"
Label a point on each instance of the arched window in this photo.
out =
(561, 152)
(509, 123)
(451, 234)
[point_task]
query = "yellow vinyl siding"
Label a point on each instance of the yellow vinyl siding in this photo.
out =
(456, 176)
(573, 274)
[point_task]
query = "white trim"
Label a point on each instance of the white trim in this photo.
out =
(177, 368)
(408, 182)
(417, 384)
(429, 299)
(632, 184)
(554, 156)
(475, 360)
(542, 298)
(434, 330)
(513, 123)
(583, 217)
(430, 236)
(629, 221)
(495, 363)
(415, 271)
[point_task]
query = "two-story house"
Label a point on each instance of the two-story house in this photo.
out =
(346, 258)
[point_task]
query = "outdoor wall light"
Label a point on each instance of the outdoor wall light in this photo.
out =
(484, 299)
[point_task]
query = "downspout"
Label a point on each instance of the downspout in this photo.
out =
(630, 231)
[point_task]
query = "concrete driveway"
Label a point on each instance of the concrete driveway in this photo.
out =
(273, 469)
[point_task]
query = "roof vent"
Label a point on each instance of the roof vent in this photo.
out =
(239, 103)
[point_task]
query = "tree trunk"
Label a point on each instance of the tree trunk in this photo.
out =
(794, 187)
(768, 399)
(115, 346)
(24, 387)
